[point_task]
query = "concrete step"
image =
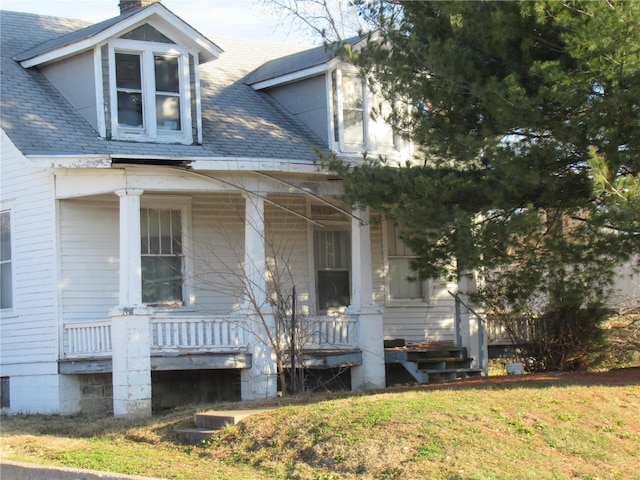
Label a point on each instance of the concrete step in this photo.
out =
(195, 436)
(209, 423)
(217, 419)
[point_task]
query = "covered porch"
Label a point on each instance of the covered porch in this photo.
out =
(242, 240)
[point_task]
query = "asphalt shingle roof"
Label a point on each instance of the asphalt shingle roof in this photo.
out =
(238, 122)
(296, 62)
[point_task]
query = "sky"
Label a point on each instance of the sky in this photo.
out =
(222, 18)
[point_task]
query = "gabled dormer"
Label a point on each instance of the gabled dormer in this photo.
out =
(134, 77)
(330, 97)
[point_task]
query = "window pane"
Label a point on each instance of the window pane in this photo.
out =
(399, 285)
(167, 77)
(353, 127)
(333, 249)
(165, 232)
(176, 231)
(333, 289)
(6, 290)
(130, 109)
(334, 93)
(162, 280)
(352, 109)
(396, 246)
(6, 279)
(351, 91)
(5, 237)
(168, 112)
(380, 132)
(154, 230)
(128, 71)
(144, 231)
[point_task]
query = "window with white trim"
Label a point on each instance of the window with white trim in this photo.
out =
(359, 115)
(402, 282)
(333, 268)
(150, 92)
(6, 269)
(162, 256)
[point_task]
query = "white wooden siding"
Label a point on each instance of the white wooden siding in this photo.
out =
(218, 250)
(286, 240)
(431, 321)
(29, 336)
(89, 255)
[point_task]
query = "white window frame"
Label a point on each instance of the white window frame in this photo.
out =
(317, 268)
(164, 202)
(10, 261)
(150, 131)
(368, 101)
(389, 300)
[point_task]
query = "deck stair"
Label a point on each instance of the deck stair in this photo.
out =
(433, 363)
(209, 423)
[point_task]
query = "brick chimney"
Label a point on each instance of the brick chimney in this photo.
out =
(128, 5)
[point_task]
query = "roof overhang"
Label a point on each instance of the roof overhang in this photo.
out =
(296, 76)
(156, 14)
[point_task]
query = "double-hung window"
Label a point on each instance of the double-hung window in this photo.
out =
(402, 284)
(6, 271)
(359, 115)
(151, 94)
(162, 256)
(333, 268)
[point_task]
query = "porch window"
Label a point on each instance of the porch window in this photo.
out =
(162, 256)
(333, 265)
(6, 273)
(402, 282)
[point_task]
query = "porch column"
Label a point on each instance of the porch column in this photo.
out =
(473, 333)
(130, 337)
(371, 374)
(259, 381)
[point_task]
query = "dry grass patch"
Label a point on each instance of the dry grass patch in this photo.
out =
(546, 429)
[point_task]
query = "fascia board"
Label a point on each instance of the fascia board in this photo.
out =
(210, 50)
(296, 76)
(70, 161)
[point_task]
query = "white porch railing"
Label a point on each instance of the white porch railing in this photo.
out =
(330, 332)
(198, 334)
(520, 331)
(195, 333)
(87, 339)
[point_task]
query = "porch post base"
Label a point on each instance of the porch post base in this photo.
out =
(261, 380)
(371, 374)
(131, 362)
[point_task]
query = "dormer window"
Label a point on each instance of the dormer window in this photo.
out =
(358, 115)
(150, 92)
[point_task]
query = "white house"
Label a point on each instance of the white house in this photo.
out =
(159, 189)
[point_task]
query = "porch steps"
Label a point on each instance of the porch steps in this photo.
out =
(433, 362)
(209, 423)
